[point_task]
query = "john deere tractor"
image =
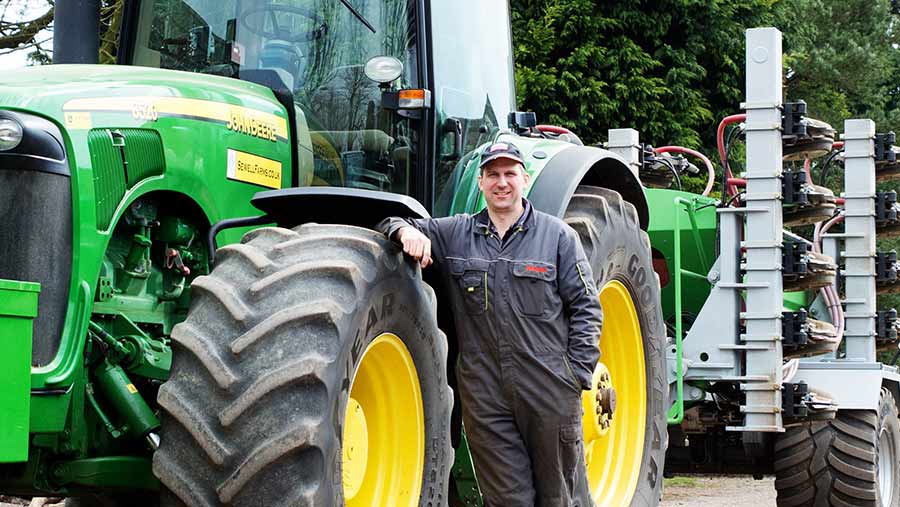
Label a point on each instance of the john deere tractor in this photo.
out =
(195, 309)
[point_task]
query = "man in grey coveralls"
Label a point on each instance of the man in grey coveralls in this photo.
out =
(528, 321)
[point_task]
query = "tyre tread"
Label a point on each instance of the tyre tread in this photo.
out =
(598, 213)
(840, 470)
(217, 450)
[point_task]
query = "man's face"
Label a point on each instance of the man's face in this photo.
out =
(502, 183)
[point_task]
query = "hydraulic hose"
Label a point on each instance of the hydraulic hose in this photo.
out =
(836, 150)
(720, 143)
(687, 151)
(553, 129)
(830, 294)
(789, 369)
(559, 131)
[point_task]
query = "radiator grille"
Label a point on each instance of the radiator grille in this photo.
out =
(121, 158)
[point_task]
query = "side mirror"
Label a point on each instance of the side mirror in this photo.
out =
(453, 126)
(520, 121)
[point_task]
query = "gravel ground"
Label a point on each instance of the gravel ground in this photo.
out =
(689, 491)
(8, 501)
(711, 491)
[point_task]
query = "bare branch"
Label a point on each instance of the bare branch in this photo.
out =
(32, 44)
(25, 32)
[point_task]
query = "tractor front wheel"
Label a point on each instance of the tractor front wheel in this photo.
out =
(624, 446)
(309, 372)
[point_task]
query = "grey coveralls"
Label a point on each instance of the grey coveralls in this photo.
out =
(528, 320)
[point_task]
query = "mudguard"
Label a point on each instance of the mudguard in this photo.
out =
(556, 169)
(586, 165)
(335, 205)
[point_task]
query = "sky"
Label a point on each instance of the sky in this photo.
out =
(17, 10)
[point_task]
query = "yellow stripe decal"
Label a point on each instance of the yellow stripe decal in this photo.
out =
(238, 118)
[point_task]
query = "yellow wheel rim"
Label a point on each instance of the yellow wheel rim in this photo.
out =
(384, 429)
(614, 453)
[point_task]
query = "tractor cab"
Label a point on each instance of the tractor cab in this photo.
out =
(367, 85)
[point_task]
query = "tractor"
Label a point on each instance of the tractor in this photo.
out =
(195, 308)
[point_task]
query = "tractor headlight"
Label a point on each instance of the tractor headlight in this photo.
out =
(10, 134)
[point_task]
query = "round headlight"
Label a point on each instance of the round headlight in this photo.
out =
(10, 134)
(383, 69)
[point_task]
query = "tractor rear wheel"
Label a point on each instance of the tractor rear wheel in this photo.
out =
(851, 460)
(309, 372)
(625, 452)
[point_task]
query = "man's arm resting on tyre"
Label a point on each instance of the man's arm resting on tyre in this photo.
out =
(582, 306)
(435, 229)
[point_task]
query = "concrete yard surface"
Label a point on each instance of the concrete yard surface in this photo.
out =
(682, 491)
(714, 490)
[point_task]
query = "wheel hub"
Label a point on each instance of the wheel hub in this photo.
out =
(884, 461)
(598, 404)
(607, 399)
(355, 450)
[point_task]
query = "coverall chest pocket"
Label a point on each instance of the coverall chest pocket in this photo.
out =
(533, 289)
(471, 277)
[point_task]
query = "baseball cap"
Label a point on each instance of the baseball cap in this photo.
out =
(500, 150)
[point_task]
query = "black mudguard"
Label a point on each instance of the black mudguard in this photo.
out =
(291, 207)
(586, 165)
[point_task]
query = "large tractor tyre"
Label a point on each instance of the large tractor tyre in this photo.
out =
(850, 460)
(309, 372)
(624, 453)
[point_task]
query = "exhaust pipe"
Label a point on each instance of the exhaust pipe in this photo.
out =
(76, 31)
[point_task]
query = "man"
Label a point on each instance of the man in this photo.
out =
(528, 321)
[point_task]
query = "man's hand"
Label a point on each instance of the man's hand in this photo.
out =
(416, 245)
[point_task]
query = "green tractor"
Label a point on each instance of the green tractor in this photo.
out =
(195, 309)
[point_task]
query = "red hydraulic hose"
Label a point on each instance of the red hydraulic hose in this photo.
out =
(736, 182)
(687, 151)
(553, 129)
(720, 143)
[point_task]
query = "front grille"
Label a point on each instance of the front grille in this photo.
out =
(36, 226)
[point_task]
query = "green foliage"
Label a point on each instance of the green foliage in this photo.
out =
(673, 68)
(842, 59)
(669, 69)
